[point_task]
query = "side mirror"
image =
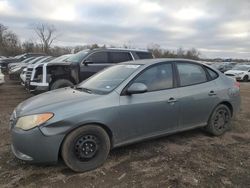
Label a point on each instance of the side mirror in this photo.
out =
(136, 88)
(88, 61)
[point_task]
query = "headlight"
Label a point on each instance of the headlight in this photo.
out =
(239, 73)
(31, 121)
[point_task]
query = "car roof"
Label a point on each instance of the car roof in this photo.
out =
(119, 49)
(159, 60)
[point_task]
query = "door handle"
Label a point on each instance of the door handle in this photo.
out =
(172, 100)
(211, 93)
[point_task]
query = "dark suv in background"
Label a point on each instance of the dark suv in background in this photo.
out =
(78, 67)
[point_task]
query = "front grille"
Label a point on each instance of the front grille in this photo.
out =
(29, 73)
(230, 74)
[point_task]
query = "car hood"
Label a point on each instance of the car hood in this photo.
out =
(53, 100)
(234, 71)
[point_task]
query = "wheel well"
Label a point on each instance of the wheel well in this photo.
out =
(60, 72)
(62, 77)
(229, 105)
(107, 130)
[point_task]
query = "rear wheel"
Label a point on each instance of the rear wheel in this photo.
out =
(220, 120)
(85, 148)
(61, 83)
(245, 78)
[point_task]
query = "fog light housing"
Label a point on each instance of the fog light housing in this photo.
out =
(20, 155)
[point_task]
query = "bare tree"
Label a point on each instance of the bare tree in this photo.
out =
(46, 34)
(180, 52)
(2, 32)
(193, 54)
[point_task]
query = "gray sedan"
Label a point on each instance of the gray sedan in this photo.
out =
(123, 104)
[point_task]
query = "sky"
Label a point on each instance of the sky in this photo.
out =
(217, 28)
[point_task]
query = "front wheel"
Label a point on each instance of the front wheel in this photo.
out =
(85, 148)
(220, 120)
(61, 83)
(245, 78)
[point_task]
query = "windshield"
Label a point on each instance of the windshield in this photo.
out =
(75, 58)
(61, 58)
(107, 80)
(241, 68)
(27, 60)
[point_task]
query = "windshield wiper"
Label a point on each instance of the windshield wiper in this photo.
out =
(83, 89)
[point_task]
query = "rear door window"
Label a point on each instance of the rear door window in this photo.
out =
(117, 57)
(190, 74)
(213, 75)
(144, 55)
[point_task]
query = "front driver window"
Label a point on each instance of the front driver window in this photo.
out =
(98, 57)
(158, 77)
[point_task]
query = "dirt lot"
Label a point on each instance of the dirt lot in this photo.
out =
(190, 159)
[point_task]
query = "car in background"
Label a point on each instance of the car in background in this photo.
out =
(123, 104)
(59, 59)
(2, 57)
(4, 62)
(14, 72)
(12, 65)
(78, 67)
(1, 77)
(223, 66)
(240, 73)
(45, 59)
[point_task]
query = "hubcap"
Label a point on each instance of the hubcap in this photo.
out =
(86, 147)
(221, 119)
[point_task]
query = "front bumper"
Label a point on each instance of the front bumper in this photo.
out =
(1, 80)
(33, 146)
(35, 86)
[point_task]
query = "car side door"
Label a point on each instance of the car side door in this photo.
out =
(197, 94)
(154, 112)
(93, 64)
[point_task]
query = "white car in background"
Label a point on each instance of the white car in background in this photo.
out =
(1, 77)
(240, 73)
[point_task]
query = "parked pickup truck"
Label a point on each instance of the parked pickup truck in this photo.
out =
(78, 67)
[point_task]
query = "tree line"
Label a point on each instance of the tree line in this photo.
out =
(10, 44)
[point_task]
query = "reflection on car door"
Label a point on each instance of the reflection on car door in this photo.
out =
(154, 112)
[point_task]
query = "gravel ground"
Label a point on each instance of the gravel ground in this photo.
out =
(189, 159)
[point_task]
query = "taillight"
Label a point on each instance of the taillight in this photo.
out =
(237, 84)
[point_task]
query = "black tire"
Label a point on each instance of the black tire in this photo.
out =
(245, 78)
(61, 83)
(75, 146)
(219, 121)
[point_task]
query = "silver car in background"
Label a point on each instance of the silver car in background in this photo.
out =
(123, 104)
